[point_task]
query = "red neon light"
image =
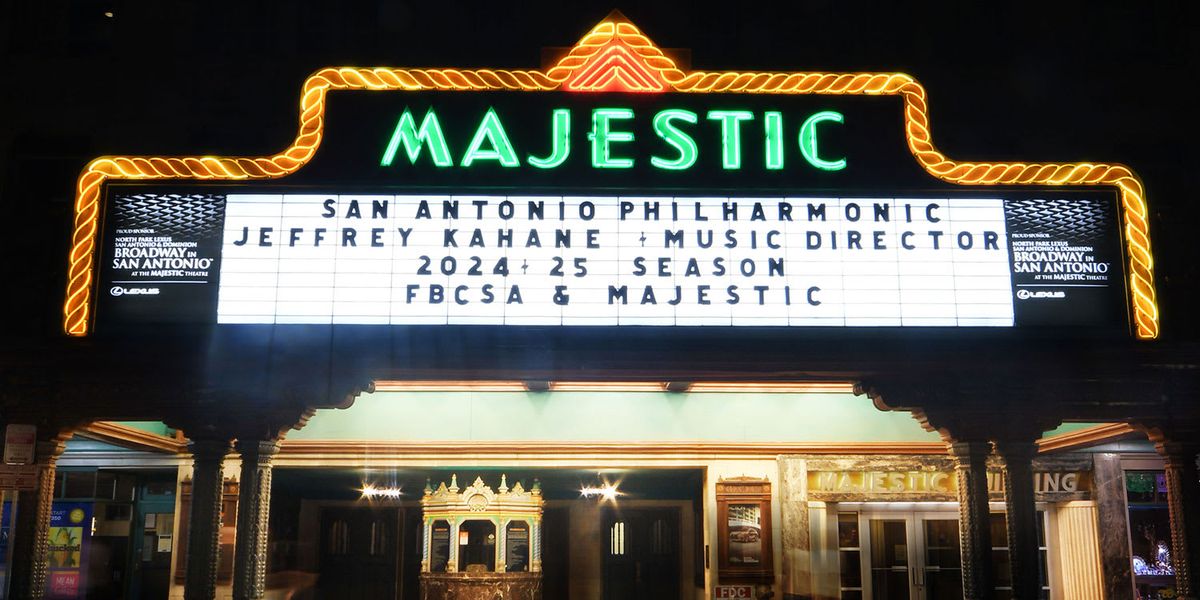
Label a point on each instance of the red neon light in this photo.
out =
(616, 69)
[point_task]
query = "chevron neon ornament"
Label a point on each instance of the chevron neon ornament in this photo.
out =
(616, 69)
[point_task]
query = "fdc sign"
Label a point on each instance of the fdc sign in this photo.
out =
(733, 591)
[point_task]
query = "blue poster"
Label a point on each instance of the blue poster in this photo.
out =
(70, 533)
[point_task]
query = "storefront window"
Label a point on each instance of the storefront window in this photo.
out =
(850, 556)
(616, 539)
(1150, 533)
(78, 484)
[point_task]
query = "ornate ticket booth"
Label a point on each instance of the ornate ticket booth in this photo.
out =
(481, 544)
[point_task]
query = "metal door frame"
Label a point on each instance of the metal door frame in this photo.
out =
(915, 514)
(907, 516)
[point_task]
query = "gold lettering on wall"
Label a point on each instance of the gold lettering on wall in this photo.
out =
(934, 482)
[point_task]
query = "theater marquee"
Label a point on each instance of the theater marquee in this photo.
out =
(624, 192)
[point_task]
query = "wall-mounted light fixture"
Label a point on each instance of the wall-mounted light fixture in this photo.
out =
(370, 492)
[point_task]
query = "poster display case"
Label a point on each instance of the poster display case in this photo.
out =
(744, 529)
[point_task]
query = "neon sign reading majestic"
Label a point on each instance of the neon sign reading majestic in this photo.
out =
(609, 137)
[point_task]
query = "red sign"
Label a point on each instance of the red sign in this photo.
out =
(64, 584)
(734, 591)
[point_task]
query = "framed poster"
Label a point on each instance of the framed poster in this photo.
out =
(744, 530)
(69, 537)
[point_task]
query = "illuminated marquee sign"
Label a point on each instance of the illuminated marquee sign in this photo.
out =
(662, 197)
(608, 260)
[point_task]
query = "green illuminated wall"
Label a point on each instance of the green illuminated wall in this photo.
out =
(616, 417)
(613, 416)
(155, 427)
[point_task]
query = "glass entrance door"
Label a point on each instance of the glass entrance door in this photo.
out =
(890, 559)
(912, 556)
(940, 577)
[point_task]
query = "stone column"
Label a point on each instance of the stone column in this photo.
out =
(254, 510)
(31, 543)
(974, 530)
(1183, 501)
(1021, 515)
(204, 524)
(1112, 516)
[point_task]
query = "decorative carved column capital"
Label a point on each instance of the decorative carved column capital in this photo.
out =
(262, 452)
(968, 451)
(1176, 454)
(48, 450)
(208, 451)
(1016, 450)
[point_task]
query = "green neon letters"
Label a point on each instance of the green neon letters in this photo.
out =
(602, 136)
(493, 131)
(773, 136)
(680, 141)
(428, 135)
(560, 144)
(676, 148)
(731, 135)
(808, 140)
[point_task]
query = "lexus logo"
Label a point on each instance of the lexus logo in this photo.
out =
(1026, 295)
(117, 290)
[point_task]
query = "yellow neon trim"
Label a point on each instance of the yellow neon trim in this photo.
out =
(612, 30)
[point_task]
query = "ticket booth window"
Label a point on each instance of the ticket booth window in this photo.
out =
(477, 546)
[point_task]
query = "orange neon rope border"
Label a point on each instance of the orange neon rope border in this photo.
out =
(76, 308)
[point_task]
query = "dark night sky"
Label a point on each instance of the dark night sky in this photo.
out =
(1052, 81)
